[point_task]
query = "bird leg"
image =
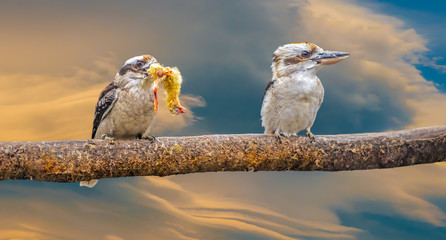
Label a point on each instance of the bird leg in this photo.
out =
(161, 75)
(108, 139)
(279, 135)
(310, 135)
(149, 137)
(155, 89)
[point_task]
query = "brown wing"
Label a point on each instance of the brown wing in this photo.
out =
(270, 85)
(106, 100)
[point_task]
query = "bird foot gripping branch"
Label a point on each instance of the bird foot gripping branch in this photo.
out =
(171, 79)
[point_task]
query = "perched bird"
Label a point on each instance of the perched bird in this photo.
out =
(294, 94)
(127, 107)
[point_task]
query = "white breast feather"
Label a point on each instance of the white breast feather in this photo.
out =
(291, 104)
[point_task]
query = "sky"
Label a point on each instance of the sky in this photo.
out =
(57, 56)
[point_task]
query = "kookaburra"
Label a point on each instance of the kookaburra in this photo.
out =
(126, 107)
(294, 95)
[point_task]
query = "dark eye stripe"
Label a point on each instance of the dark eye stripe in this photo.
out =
(292, 60)
(127, 68)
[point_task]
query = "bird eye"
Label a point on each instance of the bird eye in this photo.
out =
(139, 64)
(306, 54)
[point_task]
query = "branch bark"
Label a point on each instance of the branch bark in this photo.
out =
(73, 161)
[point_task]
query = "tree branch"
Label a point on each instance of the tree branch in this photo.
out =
(73, 161)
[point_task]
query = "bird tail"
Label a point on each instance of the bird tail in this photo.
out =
(89, 184)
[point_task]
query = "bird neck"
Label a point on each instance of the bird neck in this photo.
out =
(129, 81)
(295, 74)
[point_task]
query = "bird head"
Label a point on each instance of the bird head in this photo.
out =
(136, 68)
(303, 57)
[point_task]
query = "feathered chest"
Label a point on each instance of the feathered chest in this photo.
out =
(136, 100)
(298, 88)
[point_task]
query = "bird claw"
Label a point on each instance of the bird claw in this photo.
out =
(150, 138)
(311, 137)
(279, 136)
(108, 139)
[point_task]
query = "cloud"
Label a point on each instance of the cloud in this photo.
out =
(112, 237)
(378, 87)
(38, 107)
(43, 97)
(266, 205)
(167, 124)
(226, 60)
(222, 212)
(285, 204)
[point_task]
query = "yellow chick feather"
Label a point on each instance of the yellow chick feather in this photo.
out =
(171, 80)
(172, 85)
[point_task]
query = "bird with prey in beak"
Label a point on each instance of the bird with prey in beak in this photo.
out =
(293, 96)
(127, 107)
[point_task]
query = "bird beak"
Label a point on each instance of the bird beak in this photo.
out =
(144, 70)
(330, 57)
